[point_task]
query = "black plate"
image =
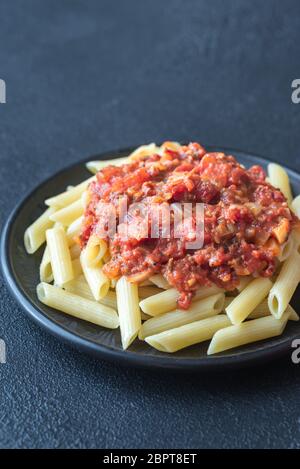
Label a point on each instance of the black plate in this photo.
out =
(22, 274)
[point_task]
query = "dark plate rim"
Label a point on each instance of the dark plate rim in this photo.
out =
(127, 357)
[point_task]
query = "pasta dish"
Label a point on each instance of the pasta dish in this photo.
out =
(175, 245)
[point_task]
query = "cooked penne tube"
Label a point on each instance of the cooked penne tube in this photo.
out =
(70, 196)
(295, 205)
(176, 339)
(170, 145)
(95, 166)
(60, 257)
(110, 299)
(85, 199)
(145, 292)
(77, 267)
(247, 332)
(279, 178)
(263, 310)
(97, 281)
(246, 301)
(68, 214)
(200, 309)
(167, 300)
(74, 230)
(128, 310)
(160, 281)
(143, 151)
(95, 250)
(35, 234)
(46, 274)
(77, 306)
(75, 251)
(160, 303)
(80, 287)
(285, 285)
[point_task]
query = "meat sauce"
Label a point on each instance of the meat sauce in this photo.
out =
(246, 220)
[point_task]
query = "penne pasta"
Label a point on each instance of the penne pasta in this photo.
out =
(295, 205)
(60, 257)
(69, 196)
(46, 274)
(145, 292)
(285, 284)
(128, 310)
(74, 230)
(160, 281)
(167, 300)
(77, 306)
(247, 332)
(181, 337)
(95, 166)
(263, 310)
(251, 230)
(75, 251)
(35, 234)
(246, 301)
(68, 214)
(143, 151)
(80, 287)
(77, 267)
(85, 199)
(279, 178)
(201, 309)
(95, 250)
(175, 146)
(97, 281)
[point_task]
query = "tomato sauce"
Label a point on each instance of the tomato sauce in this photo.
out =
(241, 214)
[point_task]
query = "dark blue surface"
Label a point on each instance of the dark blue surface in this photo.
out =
(84, 77)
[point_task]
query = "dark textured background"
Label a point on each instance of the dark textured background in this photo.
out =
(88, 76)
